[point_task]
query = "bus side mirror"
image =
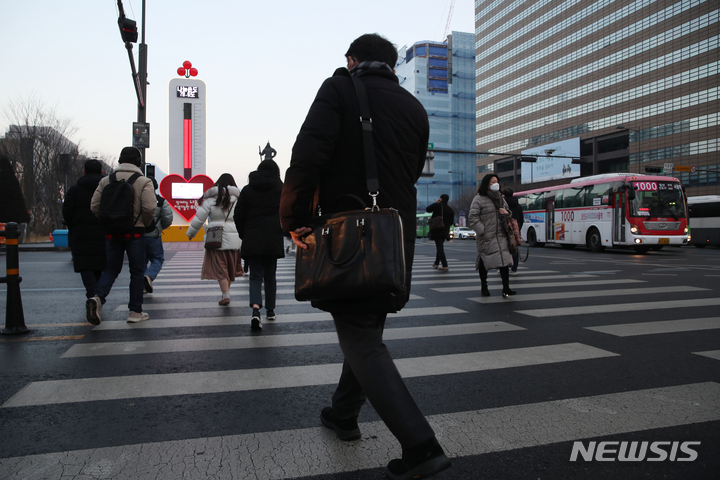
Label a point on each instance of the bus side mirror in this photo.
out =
(630, 190)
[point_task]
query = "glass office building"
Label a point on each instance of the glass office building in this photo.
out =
(629, 84)
(442, 76)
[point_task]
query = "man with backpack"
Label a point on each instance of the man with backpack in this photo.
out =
(124, 201)
(154, 252)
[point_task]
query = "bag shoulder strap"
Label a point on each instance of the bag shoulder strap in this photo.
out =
(373, 185)
(228, 214)
(132, 178)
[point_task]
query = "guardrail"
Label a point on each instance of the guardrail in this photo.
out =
(14, 317)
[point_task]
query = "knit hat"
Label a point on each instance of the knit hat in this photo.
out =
(131, 155)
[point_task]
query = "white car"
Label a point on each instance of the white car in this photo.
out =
(463, 233)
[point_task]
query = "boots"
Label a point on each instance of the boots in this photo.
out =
(483, 280)
(505, 276)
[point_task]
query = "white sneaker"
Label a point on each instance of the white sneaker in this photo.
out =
(147, 284)
(135, 317)
(513, 272)
(93, 309)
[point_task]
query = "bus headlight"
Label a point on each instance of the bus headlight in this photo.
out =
(638, 240)
(687, 230)
(634, 230)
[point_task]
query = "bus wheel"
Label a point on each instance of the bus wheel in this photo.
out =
(656, 248)
(641, 250)
(594, 241)
(532, 239)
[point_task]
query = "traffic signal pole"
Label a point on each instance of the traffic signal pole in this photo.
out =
(128, 31)
(142, 61)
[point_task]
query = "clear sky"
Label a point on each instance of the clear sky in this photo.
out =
(262, 62)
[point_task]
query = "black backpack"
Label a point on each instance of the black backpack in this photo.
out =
(117, 202)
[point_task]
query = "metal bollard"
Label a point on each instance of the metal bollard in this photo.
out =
(14, 317)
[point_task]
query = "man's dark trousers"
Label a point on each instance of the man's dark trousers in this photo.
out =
(440, 252)
(369, 372)
(116, 248)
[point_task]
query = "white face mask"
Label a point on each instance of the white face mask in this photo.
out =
(495, 187)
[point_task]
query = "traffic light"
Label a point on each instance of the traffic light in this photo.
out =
(128, 30)
(651, 169)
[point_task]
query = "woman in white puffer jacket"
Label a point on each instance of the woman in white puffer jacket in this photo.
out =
(217, 207)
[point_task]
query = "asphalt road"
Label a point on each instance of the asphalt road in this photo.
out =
(595, 352)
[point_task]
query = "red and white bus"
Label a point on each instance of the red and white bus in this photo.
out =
(610, 210)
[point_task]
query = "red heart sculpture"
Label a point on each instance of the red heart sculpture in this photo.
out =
(186, 207)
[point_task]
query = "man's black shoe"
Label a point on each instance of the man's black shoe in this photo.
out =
(422, 461)
(344, 429)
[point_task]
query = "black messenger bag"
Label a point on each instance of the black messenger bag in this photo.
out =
(358, 253)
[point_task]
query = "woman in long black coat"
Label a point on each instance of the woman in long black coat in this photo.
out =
(85, 235)
(257, 218)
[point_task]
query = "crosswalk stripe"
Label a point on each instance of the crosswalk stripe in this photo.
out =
(666, 326)
(148, 306)
(282, 318)
(287, 454)
(515, 286)
(540, 277)
(586, 294)
(295, 339)
(620, 307)
(234, 292)
(715, 354)
(189, 383)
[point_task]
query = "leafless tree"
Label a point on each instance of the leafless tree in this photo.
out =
(462, 204)
(45, 160)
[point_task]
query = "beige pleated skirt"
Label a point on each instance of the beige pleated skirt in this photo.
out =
(222, 265)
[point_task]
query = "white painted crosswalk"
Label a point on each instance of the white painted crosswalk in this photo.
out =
(181, 303)
(314, 451)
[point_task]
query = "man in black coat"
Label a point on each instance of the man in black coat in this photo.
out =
(441, 209)
(85, 235)
(327, 160)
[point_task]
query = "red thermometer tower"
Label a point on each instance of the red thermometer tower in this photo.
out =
(187, 123)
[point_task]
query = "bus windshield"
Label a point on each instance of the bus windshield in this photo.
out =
(657, 199)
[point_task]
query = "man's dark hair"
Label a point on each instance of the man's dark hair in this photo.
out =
(508, 192)
(93, 166)
(445, 198)
(371, 47)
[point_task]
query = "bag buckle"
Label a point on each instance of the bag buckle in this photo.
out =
(360, 222)
(325, 231)
(375, 206)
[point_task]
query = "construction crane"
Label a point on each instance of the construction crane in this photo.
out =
(447, 25)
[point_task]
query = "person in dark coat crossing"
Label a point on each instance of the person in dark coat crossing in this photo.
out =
(517, 214)
(327, 163)
(85, 235)
(257, 219)
(441, 208)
